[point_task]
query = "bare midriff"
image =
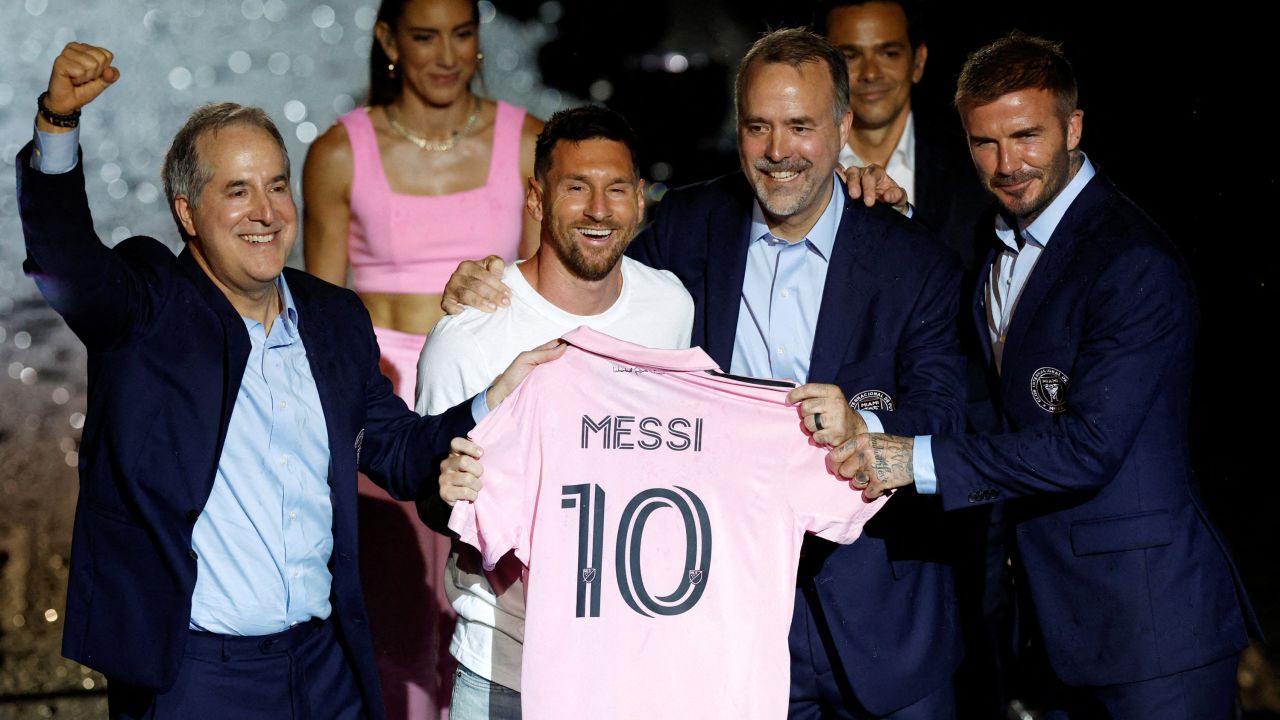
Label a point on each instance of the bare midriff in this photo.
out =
(415, 314)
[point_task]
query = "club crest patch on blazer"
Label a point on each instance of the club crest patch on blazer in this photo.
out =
(1049, 389)
(871, 400)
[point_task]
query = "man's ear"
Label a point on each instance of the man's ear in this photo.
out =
(1075, 128)
(533, 200)
(182, 209)
(918, 59)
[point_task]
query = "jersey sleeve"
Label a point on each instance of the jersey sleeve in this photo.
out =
(822, 501)
(500, 519)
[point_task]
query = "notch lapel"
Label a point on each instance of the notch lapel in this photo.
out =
(235, 345)
(728, 239)
(320, 345)
(844, 295)
(1053, 263)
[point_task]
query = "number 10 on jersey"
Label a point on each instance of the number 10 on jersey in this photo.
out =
(589, 499)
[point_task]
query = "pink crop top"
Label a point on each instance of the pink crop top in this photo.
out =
(412, 243)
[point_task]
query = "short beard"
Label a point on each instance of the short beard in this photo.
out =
(1053, 178)
(800, 200)
(581, 266)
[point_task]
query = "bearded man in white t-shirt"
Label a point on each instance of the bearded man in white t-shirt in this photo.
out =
(589, 198)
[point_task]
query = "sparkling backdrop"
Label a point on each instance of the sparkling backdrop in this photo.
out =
(306, 64)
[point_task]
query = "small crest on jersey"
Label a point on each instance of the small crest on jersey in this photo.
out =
(871, 400)
(1049, 389)
(695, 576)
(588, 574)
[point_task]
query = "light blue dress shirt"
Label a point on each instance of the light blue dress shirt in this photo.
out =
(55, 153)
(264, 538)
(781, 297)
(1015, 274)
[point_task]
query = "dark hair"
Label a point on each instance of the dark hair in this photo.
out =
(795, 47)
(1016, 62)
(184, 173)
(916, 11)
(383, 88)
(589, 122)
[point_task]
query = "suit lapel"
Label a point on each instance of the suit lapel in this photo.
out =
(1053, 263)
(978, 306)
(844, 295)
(728, 239)
(235, 345)
(317, 340)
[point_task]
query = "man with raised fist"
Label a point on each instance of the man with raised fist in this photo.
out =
(231, 403)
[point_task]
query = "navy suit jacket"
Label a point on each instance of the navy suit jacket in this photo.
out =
(887, 324)
(949, 199)
(1127, 577)
(166, 355)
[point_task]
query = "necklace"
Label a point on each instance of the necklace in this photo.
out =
(431, 145)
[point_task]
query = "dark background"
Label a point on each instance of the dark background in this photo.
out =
(1175, 109)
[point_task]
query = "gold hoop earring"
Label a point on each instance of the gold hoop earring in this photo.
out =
(391, 71)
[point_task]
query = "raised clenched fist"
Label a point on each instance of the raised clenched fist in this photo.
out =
(80, 73)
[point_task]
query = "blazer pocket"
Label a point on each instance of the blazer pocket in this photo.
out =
(1117, 534)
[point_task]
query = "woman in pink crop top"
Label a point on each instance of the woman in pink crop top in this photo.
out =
(402, 191)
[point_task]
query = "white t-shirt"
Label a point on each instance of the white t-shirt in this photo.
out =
(462, 356)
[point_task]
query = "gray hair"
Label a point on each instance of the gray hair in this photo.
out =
(183, 172)
(795, 47)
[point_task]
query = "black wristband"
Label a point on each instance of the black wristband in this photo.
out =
(68, 120)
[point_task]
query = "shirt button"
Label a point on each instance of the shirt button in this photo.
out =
(192, 554)
(283, 459)
(295, 573)
(782, 350)
(786, 293)
(293, 515)
(193, 515)
(282, 404)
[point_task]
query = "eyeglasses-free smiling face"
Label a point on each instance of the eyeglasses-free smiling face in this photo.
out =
(245, 224)
(590, 204)
(1021, 146)
(789, 142)
(434, 46)
(883, 66)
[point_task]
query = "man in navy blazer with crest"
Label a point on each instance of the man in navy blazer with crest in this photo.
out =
(792, 279)
(1088, 322)
(207, 578)
(883, 352)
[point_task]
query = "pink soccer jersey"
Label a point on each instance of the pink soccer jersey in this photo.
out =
(658, 506)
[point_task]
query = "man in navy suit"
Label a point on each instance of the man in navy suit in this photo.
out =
(1088, 322)
(886, 44)
(231, 403)
(792, 279)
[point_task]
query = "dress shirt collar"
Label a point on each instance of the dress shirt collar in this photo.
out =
(1041, 229)
(822, 236)
(289, 310)
(288, 313)
(902, 158)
